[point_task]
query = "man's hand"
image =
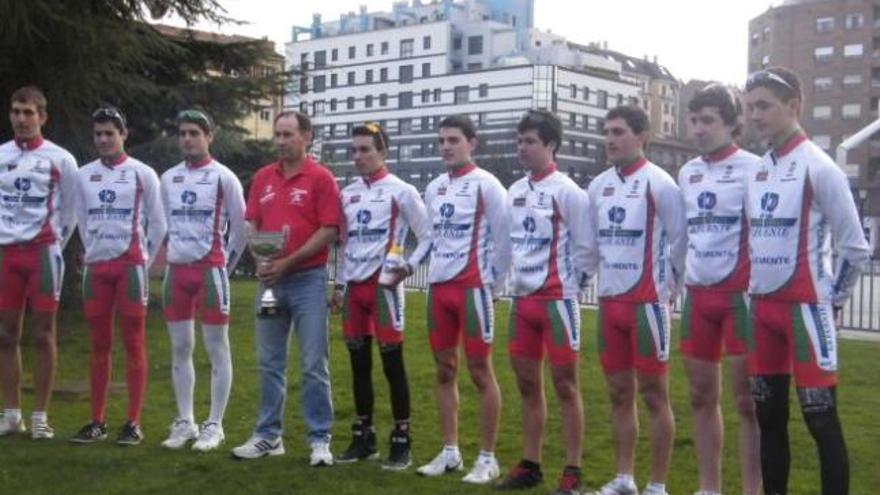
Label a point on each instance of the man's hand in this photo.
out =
(270, 271)
(398, 274)
(337, 299)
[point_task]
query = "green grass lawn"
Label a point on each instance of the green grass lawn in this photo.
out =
(59, 467)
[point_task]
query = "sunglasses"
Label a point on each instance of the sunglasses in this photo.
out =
(376, 130)
(195, 117)
(764, 77)
(109, 113)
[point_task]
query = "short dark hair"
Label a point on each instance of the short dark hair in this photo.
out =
(303, 122)
(461, 122)
(109, 113)
(783, 82)
(547, 124)
(718, 96)
(198, 117)
(635, 117)
(374, 130)
(32, 95)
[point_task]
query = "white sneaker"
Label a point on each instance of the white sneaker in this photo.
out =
(182, 431)
(40, 430)
(210, 437)
(321, 455)
(654, 491)
(257, 447)
(445, 462)
(485, 470)
(618, 487)
(7, 426)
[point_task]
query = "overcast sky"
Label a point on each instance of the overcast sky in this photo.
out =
(695, 39)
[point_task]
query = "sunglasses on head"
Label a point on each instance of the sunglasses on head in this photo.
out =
(196, 117)
(765, 76)
(109, 113)
(376, 130)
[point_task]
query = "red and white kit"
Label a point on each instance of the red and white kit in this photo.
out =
(715, 312)
(203, 204)
(798, 199)
(37, 218)
(549, 236)
(638, 247)
(470, 256)
(379, 211)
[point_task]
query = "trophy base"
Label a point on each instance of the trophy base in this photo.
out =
(270, 312)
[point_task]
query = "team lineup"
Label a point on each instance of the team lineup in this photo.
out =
(745, 239)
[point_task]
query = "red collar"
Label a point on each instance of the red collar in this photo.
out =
(721, 154)
(547, 171)
(29, 144)
(208, 159)
(790, 144)
(307, 163)
(376, 176)
(463, 170)
(118, 161)
(633, 167)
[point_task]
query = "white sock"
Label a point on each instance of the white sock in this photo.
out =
(13, 415)
(658, 487)
(216, 338)
(183, 375)
(451, 451)
(486, 455)
(625, 478)
(39, 417)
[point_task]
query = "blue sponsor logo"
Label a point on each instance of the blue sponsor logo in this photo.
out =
(364, 217)
(446, 210)
(616, 215)
(188, 197)
(707, 200)
(107, 196)
(769, 202)
(529, 224)
(22, 184)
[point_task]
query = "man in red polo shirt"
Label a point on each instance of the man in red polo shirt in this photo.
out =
(300, 196)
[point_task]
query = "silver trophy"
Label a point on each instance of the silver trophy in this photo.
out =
(265, 246)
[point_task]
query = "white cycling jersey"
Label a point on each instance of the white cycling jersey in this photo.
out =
(798, 200)
(470, 228)
(37, 193)
(119, 211)
(638, 241)
(379, 211)
(203, 203)
(549, 234)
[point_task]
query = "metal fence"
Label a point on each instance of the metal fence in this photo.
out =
(862, 311)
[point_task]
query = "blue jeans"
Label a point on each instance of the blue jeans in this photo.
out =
(304, 296)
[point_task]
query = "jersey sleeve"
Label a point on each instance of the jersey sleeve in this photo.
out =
(155, 225)
(252, 213)
(341, 241)
(416, 215)
(327, 202)
(498, 223)
(670, 206)
(81, 208)
(68, 189)
(837, 205)
(235, 209)
(591, 240)
(575, 203)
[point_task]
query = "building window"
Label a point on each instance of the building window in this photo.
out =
(406, 48)
(456, 43)
(853, 51)
(572, 119)
(349, 103)
(824, 53)
(320, 58)
(437, 95)
(368, 76)
(851, 110)
(318, 108)
(823, 83)
(666, 127)
(383, 100)
(475, 45)
(765, 35)
(461, 94)
(854, 21)
(574, 91)
(404, 99)
(821, 112)
(426, 69)
(474, 66)
(586, 93)
(405, 73)
(318, 84)
(852, 80)
(426, 124)
(601, 99)
(825, 24)
(620, 101)
(265, 115)
(334, 80)
(383, 74)
(304, 107)
(755, 39)
(483, 90)
(823, 141)
(351, 51)
(404, 126)
(765, 61)
(334, 55)
(426, 43)
(350, 78)
(368, 101)
(369, 49)
(426, 96)
(332, 105)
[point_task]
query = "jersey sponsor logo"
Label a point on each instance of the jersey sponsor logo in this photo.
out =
(761, 176)
(355, 199)
(441, 191)
(205, 178)
(707, 200)
(447, 229)
(107, 196)
(297, 196)
(22, 184)
(364, 234)
(608, 191)
(9, 166)
(106, 211)
(123, 177)
(769, 202)
(616, 214)
(95, 178)
(177, 179)
(767, 225)
(266, 197)
(529, 242)
(519, 201)
(188, 197)
(447, 210)
(695, 179)
(529, 224)
(363, 217)
(378, 198)
(616, 235)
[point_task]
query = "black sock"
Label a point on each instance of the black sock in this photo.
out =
(530, 465)
(395, 373)
(360, 352)
(818, 406)
(770, 393)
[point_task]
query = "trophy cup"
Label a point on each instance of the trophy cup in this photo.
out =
(265, 246)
